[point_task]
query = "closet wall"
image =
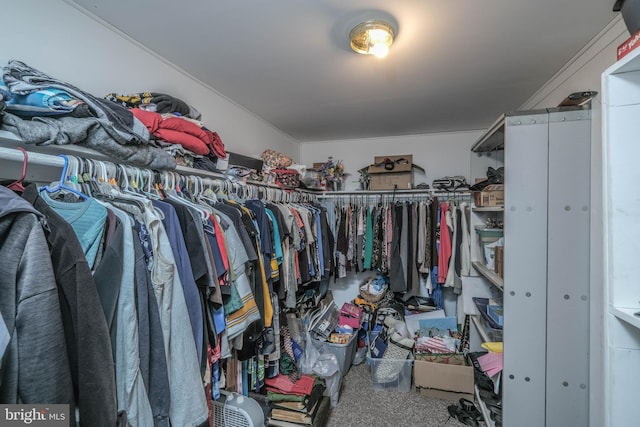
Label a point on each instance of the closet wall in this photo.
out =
(59, 39)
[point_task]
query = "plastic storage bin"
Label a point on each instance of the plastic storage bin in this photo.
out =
(493, 330)
(496, 313)
(485, 237)
(344, 352)
(400, 382)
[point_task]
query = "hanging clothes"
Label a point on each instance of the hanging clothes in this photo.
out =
(86, 218)
(132, 394)
(192, 295)
(32, 371)
(397, 282)
(169, 288)
(444, 249)
(465, 246)
(88, 342)
(413, 283)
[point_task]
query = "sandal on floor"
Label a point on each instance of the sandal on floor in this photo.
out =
(490, 399)
(469, 418)
(470, 408)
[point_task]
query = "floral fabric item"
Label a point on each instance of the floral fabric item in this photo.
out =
(274, 160)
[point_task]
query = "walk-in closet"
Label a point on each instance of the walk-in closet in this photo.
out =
(318, 214)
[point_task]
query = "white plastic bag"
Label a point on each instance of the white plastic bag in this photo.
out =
(324, 364)
(361, 355)
(309, 357)
(328, 368)
(489, 253)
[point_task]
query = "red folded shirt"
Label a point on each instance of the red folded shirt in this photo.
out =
(282, 384)
(175, 130)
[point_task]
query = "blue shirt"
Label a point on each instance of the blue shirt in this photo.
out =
(87, 219)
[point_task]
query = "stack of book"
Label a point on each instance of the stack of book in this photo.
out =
(296, 410)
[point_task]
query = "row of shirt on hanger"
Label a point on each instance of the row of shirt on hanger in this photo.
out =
(403, 240)
(152, 294)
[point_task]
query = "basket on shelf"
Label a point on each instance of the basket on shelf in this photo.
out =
(373, 289)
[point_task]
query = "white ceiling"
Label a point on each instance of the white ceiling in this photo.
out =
(455, 64)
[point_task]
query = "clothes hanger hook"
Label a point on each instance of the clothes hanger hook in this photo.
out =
(124, 176)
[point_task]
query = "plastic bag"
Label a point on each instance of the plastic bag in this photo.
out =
(309, 357)
(328, 368)
(361, 355)
(324, 364)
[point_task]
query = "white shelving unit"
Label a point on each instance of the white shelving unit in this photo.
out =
(489, 209)
(496, 280)
(621, 212)
(483, 333)
(546, 281)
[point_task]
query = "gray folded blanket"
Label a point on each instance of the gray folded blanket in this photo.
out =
(88, 132)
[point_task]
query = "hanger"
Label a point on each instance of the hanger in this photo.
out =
(61, 184)
(136, 180)
(207, 195)
(147, 188)
(88, 183)
(170, 193)
(124, 183)
(17, 185)
(128, 189)
(75, 176)
(113, 193)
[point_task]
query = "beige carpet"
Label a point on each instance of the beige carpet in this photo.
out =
(360, 405)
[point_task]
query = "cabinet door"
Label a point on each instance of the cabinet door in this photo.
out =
(525, 272)
(568, 271)
(621, 217)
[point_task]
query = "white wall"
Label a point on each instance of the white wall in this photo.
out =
(583, 71)
(63, 41)
(439, 154)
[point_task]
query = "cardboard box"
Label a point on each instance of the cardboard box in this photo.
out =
(443, 381)
(491, 195)
(400, 177)
(499, 260)
(391, 181)
(401, 163)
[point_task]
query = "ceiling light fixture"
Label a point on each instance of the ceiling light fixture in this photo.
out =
(372, 38)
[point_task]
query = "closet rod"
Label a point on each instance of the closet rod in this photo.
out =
(371, 192)
(55, 161)
(35, 158)
(402, 193)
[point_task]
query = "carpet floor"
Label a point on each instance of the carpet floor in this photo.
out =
(360, 405)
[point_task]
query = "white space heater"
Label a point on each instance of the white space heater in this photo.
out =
(236, 410)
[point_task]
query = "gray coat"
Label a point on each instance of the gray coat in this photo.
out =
(35, 365)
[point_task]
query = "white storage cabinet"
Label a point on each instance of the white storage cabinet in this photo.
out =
(545, 288)
(621, 212)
